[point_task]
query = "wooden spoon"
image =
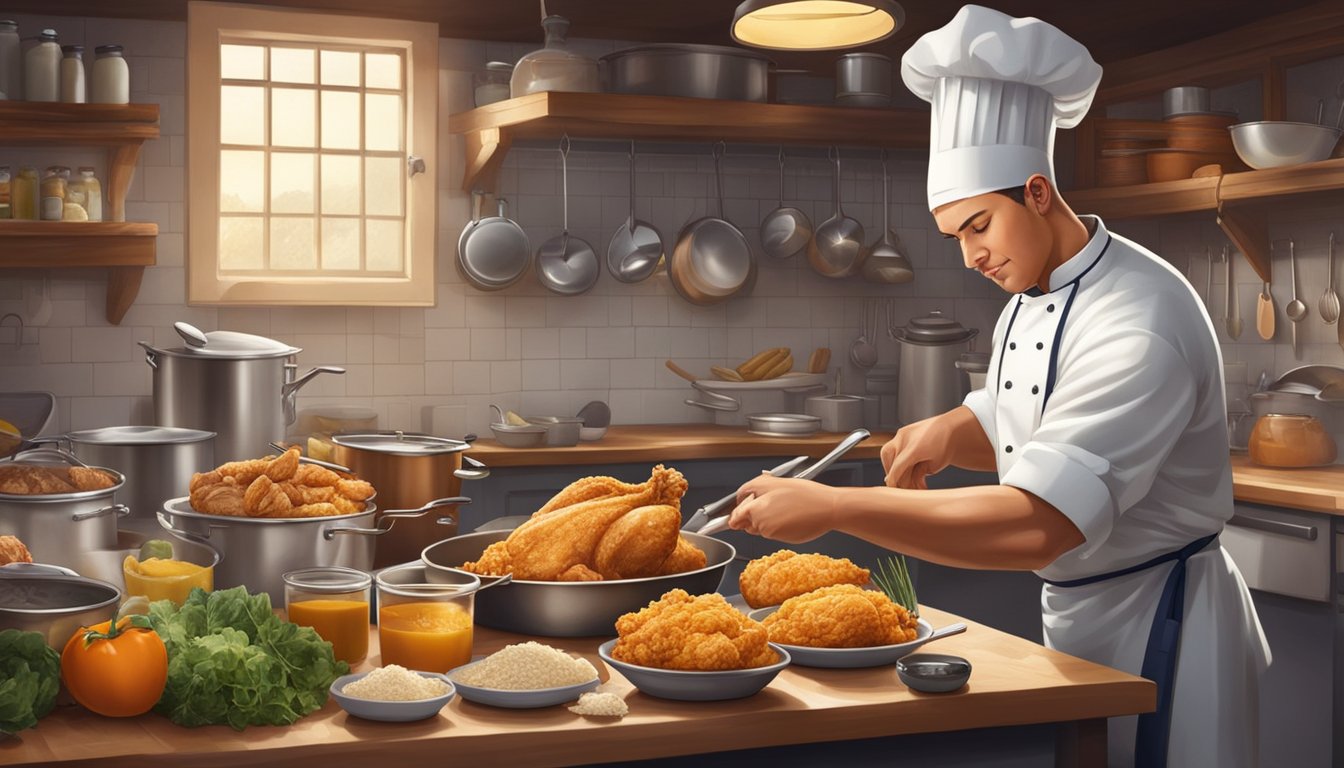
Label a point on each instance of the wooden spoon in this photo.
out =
(682, 372)
(1264, 313)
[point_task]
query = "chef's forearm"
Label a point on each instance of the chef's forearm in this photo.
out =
(971, 448)
(989, 526)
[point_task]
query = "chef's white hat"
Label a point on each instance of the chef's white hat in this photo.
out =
(998, 86)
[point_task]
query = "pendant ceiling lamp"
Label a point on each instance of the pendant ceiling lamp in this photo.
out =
(815, 25)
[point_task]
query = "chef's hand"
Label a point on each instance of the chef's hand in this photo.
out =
(917, 451)
(784, 508)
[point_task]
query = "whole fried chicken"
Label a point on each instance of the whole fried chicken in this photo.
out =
(685, 558)
(772, 579)
(638, 543)
(701, 633)
(842, 616)
(494, 561)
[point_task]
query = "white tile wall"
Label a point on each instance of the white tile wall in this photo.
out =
(523, 348)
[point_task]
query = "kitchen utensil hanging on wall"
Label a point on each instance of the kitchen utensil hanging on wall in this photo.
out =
(1264, 305)
(566, 264)
(712, 260)
(886, 262)
(636, 249)
(1296, 309)
(1329, 305)
(494, 252)
(785, 232)
(837, 247)
(1232, 315)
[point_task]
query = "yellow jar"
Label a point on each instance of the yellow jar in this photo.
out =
(24, 195)
(158, 579)
(54, 183)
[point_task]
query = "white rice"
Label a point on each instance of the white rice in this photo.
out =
(395, 683)
(525, 667)
(596, 704)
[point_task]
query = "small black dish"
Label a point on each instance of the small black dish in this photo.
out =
(933, 672)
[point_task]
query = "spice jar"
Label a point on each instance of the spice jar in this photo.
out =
(23, 196)
(334, 601)
(54, 183)
(41, 68)
(72, 74)
(111, 76)
(87, 192)
(493, 84)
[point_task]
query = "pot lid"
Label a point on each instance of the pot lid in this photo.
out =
(228, 344)
(936, 328)
(400, 443)
(139, 435)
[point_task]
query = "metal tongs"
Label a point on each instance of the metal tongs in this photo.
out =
(713, 518)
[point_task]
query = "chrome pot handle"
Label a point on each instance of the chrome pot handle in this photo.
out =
(396, 514)
(166, 523)
(120, 510)
(65, 456)
(35, 569)
(291, 387)
(151, 354)
(478, 471)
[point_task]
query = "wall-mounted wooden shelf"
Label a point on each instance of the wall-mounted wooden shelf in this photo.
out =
(124, 248)
(1235, 197)
(491, 130)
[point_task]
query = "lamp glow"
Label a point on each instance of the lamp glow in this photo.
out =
(815, 25)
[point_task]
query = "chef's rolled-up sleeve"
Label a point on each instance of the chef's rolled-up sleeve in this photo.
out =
(1120, 404)
(981, 403)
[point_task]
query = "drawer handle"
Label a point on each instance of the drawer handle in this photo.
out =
(1307, 532)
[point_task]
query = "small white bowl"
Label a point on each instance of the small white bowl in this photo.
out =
(391, 711)
(684, 685)
(532, 698)
(592, 433)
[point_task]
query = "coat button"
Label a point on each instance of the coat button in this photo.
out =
(1039, 345)
(1008, 385)
(1012, 345)
(1008, 449)
(1035, 389)
(1050, 308)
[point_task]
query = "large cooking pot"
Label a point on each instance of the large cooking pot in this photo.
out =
(569, 608)
(257, 551)
(930, 382)
(53, 601)
(694, 71)
(157, 463)
(240, 386)
(56, 527)
(408, 469)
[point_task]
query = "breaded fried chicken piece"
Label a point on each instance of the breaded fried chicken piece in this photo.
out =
(264, 498)
(222, 498)
(701, 633)
(842, 616)
(588, 489)
(685, 558)
(25, 480)
(638, 542)
(13, 551)
(89, 479)
(494, 561)
(580, 572)
(546, 546)
(772, 579)
(283, 467)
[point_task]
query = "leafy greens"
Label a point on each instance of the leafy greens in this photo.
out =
(232, 661)
(30, 676)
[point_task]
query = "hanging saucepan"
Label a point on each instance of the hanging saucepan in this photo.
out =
(566, 264)
(636, 249)
(836, 249)
(712, 260)
(493, 252)
(786, 231)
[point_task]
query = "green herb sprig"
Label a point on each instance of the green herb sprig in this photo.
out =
(893, 578)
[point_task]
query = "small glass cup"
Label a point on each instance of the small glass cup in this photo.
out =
(425, 627)
(334, 601)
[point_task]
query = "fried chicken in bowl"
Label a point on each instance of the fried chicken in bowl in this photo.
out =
(772, 579)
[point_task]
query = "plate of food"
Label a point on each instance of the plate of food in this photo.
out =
(392, 694)
(525, 676)
(693, 649)
(832, 613)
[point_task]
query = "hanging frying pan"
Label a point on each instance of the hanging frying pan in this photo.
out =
(837, 248)
(493, 252)
(712, 260)
(566, 264)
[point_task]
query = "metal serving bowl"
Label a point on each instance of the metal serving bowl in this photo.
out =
(569, 608)
(1272, 144)
(53, 601)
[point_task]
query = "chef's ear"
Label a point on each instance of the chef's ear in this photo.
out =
(1040, 195)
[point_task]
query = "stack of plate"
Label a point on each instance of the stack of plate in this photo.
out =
(783, 424)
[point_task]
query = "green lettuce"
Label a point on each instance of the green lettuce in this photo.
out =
(30, 676)
(232, 661)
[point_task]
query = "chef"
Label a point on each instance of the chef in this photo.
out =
(1103, 413)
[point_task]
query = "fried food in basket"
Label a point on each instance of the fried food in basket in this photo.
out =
(13, 551)
(599, 528)
(772, 579)
(277, 487)
(34, 480)
(842, 616)
(702, 634)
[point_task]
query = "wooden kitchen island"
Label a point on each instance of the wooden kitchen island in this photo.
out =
(1014, 683)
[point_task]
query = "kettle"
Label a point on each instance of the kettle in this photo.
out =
(930, 382)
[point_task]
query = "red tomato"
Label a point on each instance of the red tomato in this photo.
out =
(117, 674)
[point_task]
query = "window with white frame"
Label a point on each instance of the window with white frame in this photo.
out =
(310, 158)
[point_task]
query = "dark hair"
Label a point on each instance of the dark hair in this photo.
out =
(1017, 194)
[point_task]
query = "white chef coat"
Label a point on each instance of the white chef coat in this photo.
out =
(1104, 397)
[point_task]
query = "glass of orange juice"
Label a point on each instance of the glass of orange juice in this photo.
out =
(423, 626)
(334, 601)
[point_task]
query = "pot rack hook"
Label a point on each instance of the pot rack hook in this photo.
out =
(18, 333)
(720, 148)
(564, 144)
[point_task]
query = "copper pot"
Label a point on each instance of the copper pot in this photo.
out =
(408, 469)
(1291, 440)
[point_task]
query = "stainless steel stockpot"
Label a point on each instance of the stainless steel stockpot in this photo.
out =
(53, 601)
(256, 551)
(242, 388)
(157, 462)
(567, 608)
(56, 527)
(930, 382)
(695, 71)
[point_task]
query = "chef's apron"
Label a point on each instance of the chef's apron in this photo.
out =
(1105, 399)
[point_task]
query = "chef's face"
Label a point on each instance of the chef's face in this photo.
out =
(1005, 241)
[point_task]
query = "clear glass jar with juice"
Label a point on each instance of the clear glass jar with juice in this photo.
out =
(24, 195)
(165, 578)
(334, 601)
(425, 627)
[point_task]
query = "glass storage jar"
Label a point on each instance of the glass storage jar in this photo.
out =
(492, 84)
(334, 601)
(555, 67)
(72, 74)
(11, 57)
(54, 183)
(87, 192)
(42, 68)
(24, 195)
(111, 77)
(6, 210)
(423, 626)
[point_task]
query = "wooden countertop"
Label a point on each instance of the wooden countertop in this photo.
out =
(1318, 489)
(1014, 682)
(672, 442)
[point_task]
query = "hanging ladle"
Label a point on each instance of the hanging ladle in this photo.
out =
(786, 230)
(1296, 309)
(566, 264)
(636, 249)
